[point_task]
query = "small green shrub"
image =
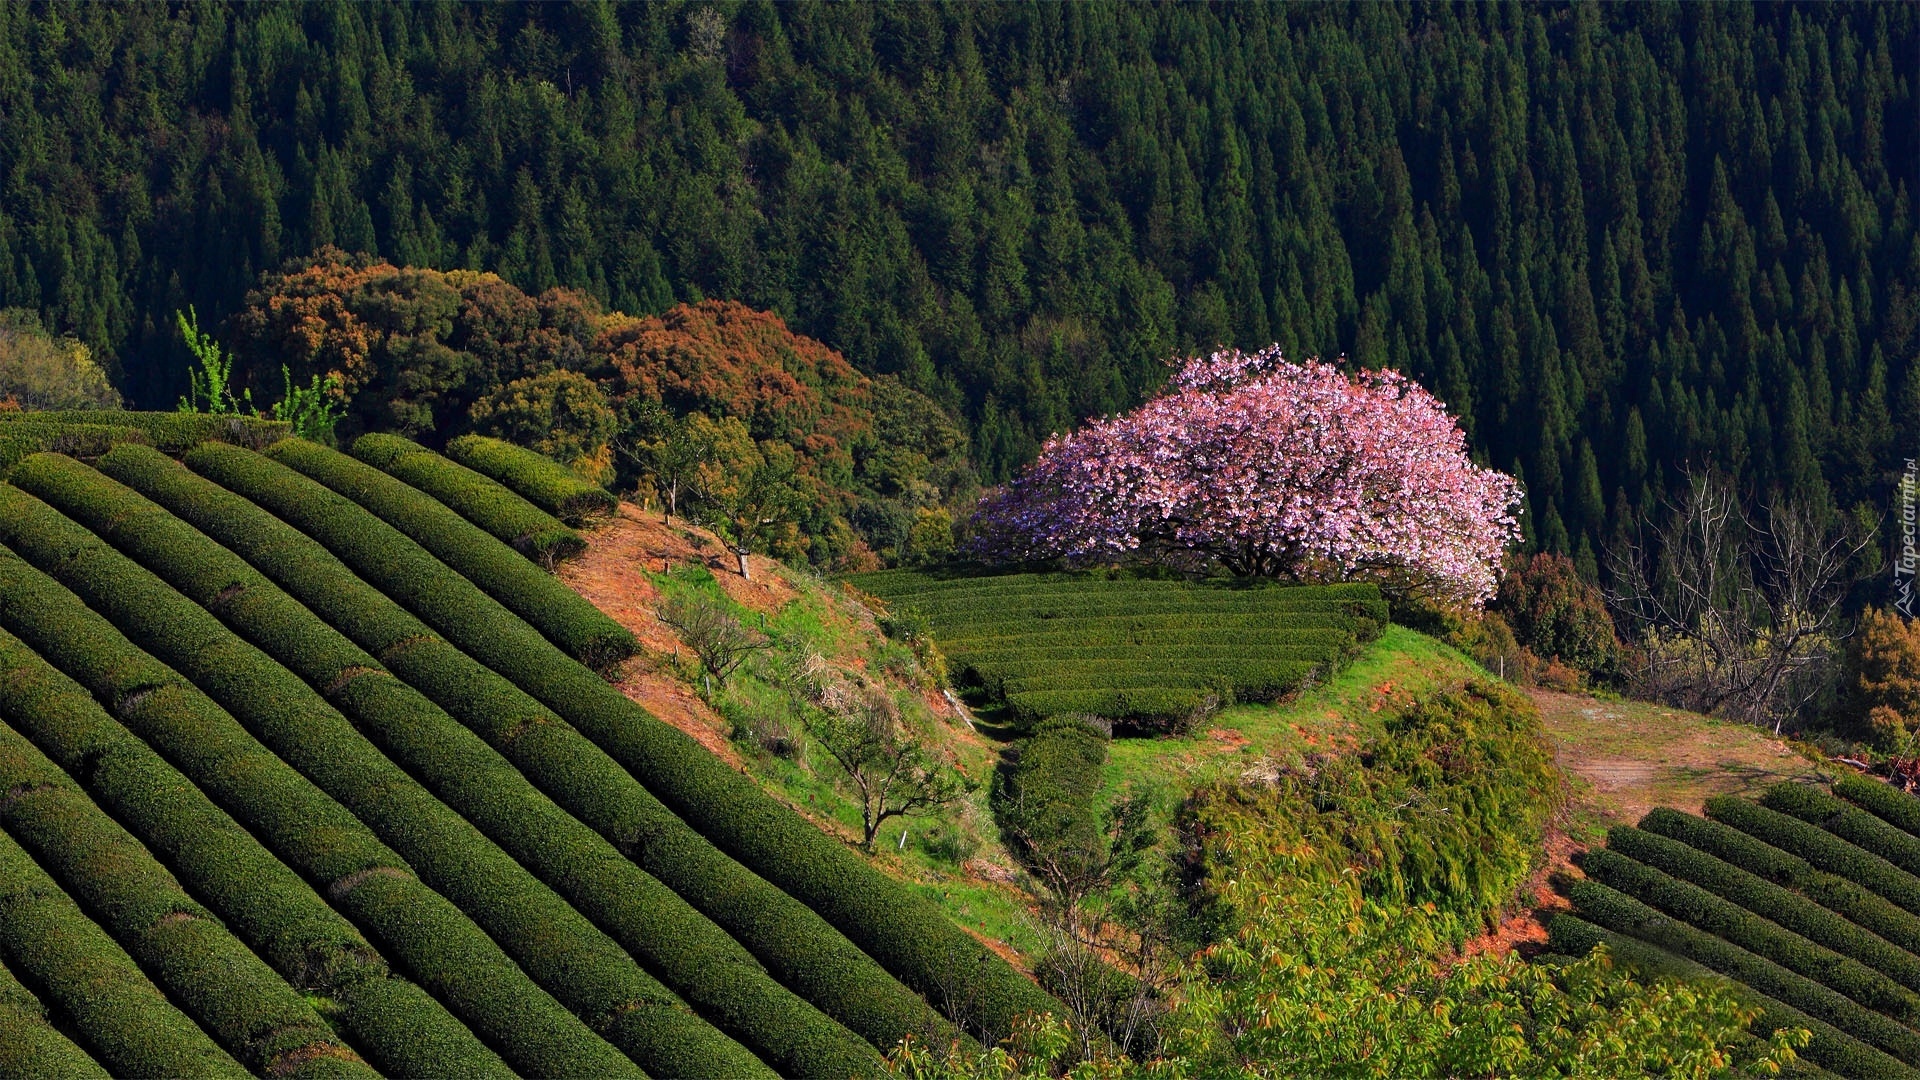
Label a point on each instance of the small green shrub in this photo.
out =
(1830, 1047)
(543, 481)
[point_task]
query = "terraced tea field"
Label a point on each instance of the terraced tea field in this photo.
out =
(1144, 653)
(1808, 900)
(309, 773)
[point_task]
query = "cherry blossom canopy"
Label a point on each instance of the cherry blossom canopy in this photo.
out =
(1267, 467)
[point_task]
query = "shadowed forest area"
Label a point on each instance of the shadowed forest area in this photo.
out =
(1616, 240)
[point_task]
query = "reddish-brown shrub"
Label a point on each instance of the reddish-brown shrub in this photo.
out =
(1557, 615)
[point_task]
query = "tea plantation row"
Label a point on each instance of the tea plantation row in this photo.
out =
(311, 774)
(1145, 653)
(1807, 900)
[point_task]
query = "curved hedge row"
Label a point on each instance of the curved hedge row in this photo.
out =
(1883, 800)
(1730, 922)
(542, 480)
(21, 439)
(1835, 893)
(1097, 629)
(203, 968)
(474, 779)
(31, 1048)
(909, 937)
(558, 946)
(1767, 900)
(413, 925)
(800, 948)
(1850, 823)
(1145, 707)
(576, 626)
(1819, 847)
(124, 1018)
(1621, 913)
(396, 1024)
(1240, 680)
(1830, 1047)
(487, 503)
(1125, 657)
(172, 432)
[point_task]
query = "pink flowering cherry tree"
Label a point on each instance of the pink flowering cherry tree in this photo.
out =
(1266, 467)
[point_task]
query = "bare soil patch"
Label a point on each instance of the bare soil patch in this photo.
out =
(1628, 757)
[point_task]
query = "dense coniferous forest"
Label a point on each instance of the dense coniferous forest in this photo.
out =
(1615, 239)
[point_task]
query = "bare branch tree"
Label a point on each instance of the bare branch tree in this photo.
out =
(714, 634)
(890, 772)
(1737, 613)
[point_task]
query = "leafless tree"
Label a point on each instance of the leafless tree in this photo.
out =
(1737, 612)
(715, 635)
(892, 775)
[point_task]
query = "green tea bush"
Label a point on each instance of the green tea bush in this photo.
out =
(472, 778)
(569, 621)
(542, 480)
(1623, 914)
(1705, 911)
(796, 945)
(1767, 900)
(1151, 708)
(437, 944)
(31, 1048)
(18, 439)
(487, 503)
(582, 965)
(123, 1017)
(400, 1027)
(1820, 848)
(905, 933)
(209, 973)
(1830, 1047)
(1850, 823)
(172, 432)
(1883, 800)
(1852, 901)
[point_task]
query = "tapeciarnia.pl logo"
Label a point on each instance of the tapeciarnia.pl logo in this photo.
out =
(1908, 560)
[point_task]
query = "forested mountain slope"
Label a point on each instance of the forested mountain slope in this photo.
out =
(1614, 239)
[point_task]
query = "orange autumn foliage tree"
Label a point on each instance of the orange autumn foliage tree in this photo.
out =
(434, 354)
(1880, 685)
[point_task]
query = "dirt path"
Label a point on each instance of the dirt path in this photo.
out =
(1628, 757)
(1624, 758)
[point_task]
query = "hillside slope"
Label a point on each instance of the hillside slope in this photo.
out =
(540, 869)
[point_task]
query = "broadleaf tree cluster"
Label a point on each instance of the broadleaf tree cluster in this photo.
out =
(1615, 239)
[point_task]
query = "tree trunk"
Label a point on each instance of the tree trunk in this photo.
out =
(741, 554)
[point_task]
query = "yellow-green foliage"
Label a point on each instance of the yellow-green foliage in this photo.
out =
(1447, 806)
